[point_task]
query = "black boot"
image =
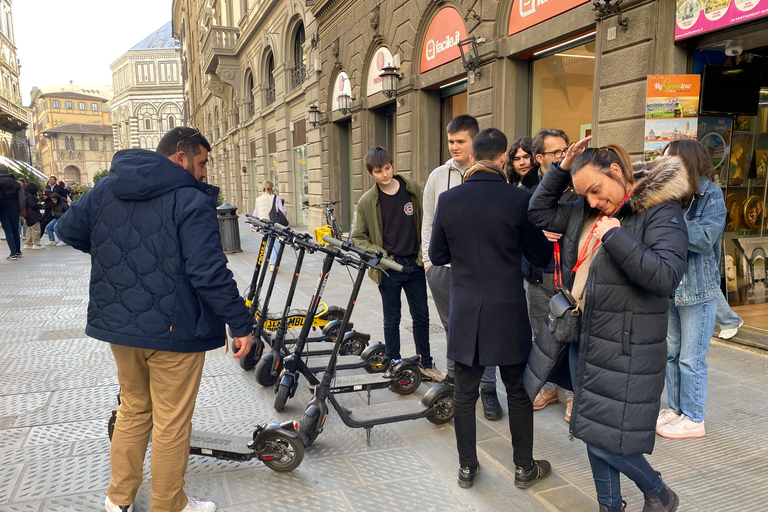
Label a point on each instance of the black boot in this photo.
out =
(525, 478)
(623, 508)
(665, 501)
(491, 406)
(467, 476)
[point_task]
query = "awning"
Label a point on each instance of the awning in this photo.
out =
(16, 166)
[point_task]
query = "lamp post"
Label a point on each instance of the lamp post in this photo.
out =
(313, 115)
(470, 55)
(389, 77)
(345, 103)
(606, 8)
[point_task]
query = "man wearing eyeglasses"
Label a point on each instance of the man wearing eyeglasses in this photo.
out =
(548, 147)
(160, 294)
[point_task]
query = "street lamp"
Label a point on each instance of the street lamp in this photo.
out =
(313, 115)
(470, 55)
(389, 77)
(345, 103)
(606, 8)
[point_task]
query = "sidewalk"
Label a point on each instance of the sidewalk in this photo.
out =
(57, 388)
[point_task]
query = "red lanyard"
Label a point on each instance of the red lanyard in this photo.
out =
(589, 246)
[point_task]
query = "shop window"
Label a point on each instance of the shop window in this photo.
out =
(300, 164)
(561, 88)
(453, 102)
(272, 149)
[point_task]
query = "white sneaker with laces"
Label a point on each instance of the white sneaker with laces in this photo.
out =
(50, 242)
(111, 507)
(434, 374)
(727, 334)
(682, 428)
(666, 416)
(61, 244)
(199, 506)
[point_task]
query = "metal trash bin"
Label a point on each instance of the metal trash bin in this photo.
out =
(229, 229)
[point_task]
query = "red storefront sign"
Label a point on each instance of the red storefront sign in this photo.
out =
(527, 13)
(441, 44)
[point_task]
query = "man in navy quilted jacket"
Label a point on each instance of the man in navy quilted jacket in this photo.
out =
(160, 294)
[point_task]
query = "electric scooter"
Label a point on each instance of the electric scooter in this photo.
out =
(404, 377)
(436, 405)
(278, 446)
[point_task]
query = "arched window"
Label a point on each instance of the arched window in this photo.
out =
(146, 113)
(169, 114)
(171, 122)
(299, 72)
(249, 95)
(270, 79)
(216, 122)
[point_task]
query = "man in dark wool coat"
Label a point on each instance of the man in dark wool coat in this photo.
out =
(481, 228)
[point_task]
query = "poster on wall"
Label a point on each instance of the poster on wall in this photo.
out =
(745, 270)
(714, 133)
(696, 17)
(441, 44)
(671, 111)
(740, 158)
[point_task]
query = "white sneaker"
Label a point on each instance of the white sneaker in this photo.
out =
(50, 242)
(111, 507)
(199, 506)
(37, 246)
(682, 428)
(666, 416)
(433, 373)
(727, 334)
(61, 244)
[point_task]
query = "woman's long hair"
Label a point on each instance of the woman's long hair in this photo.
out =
(602, 158)
(696, 160)
(525, 144)
(268, 187)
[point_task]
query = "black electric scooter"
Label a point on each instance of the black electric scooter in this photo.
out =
(278, 446)
(404, 377)
(436, 405)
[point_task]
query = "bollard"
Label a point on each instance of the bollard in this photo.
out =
(229, 229)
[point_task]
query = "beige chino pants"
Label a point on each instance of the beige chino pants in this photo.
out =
(158, 390)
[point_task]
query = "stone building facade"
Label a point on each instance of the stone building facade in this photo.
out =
(540, 64)
(13, 118)
(148, 97)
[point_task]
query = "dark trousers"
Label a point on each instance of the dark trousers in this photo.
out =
(10, 223)
(414, 283)
(519, 406)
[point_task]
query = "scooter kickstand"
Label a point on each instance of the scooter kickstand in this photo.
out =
(369, 400)
(368, 435)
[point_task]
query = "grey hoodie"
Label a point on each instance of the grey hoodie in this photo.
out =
(437, 183)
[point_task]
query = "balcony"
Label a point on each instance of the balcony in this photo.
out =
(251, 109)
(270, 95)
(12, 114)
(298, 76)
(219, 42)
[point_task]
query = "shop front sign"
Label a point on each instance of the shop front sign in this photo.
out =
(441, 44)
(381, 58)
(694, 17)
(671, 111)
(342, 86)
(527, 13)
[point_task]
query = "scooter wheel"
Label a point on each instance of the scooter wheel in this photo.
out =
(282, 397)
(353, 346)
(442, 406)
(406, 381)
(251, 358)
(286, 452)
(377, 361)
(308, 429)
(111, 425)
(264, 371)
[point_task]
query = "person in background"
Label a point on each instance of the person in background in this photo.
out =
(52, 182)
(59, 209)
(520, 166)
(486, 286)
(461, 130)
(548, 146)
(61, 189)
(47, 206)
(12, 200)
(23, 220)
(623, 247)
(264, 205)
(389, 220)
(693, 308)
(34, 217)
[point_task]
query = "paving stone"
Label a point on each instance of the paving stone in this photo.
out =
(30, 506)
(89, 502)
(14, 405)
(12, 438)
(49, 362)
(13, 379)
(37, 387)
(69, 475)
(68, 432)
(36, 349)
(35, 453)
(8, 477)
(90, 446)
(313, 503)
(61, 334)
(80, 372)
(103, 396)
(417, 494)
(64, 416)
(387, 464)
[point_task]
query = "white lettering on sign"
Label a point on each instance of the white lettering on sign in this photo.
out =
(434, 48)
(527, 7)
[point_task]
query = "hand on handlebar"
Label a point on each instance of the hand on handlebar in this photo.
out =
(244, 346)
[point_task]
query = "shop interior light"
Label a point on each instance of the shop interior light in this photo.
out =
(389, 77)
(313, 115)
(574, 55)
(607, 8)
(470, 55)
(565, 44)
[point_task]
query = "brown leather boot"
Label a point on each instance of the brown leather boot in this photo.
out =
(544, 398)
(623, 508)
(655, 502)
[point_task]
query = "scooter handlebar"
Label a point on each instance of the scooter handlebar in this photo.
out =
(384, 263)
(391, 265)
(333, 241)
(256, 222)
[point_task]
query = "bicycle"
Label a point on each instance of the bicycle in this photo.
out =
(332, 223)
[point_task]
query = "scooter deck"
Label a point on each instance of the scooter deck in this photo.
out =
(360, 382)
(319, 364)
(388, 412)
(221, 446)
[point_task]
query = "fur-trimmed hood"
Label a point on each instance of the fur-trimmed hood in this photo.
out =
(664, 179)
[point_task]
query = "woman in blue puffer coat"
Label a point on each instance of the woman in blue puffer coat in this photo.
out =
(693, 307)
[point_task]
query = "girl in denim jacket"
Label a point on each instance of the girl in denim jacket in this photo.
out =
(693, 307)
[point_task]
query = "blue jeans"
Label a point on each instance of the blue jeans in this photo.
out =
(10, 223)
(606, 470)
(726, 317)
(688, 337)
(51, 228)
(413, 281)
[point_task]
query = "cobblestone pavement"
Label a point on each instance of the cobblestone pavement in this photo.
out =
(57, 388)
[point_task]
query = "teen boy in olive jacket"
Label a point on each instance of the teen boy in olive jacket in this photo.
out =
(389, 220)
